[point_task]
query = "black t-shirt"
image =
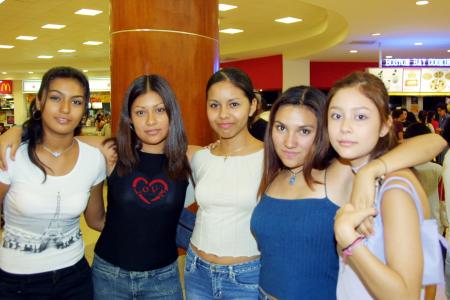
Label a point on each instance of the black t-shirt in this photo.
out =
(142, 217)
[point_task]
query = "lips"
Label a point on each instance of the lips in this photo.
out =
(289, 154)
(225, 125)
(152, 131)
(346, 143)
(62, 121)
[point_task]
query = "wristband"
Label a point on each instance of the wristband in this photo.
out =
(348, 251)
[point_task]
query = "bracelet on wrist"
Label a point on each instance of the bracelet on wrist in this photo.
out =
(348, 251)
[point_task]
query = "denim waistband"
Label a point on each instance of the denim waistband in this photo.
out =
(81, 265)
(235, 268)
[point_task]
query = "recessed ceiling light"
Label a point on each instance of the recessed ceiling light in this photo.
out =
(53, 26)
(231, 30)
(448, 50)
(422, 2)
(30, 72)
(376, 34)
(4, 73)
(388, 56)
(45, 56)
(66, 50)
(93, 43)
(1, 1)
(85, 71)
(88, 12)
(26, 37)
(418, 44)
(288, 20)
(225, 7)
(353, 51)
(6, 46)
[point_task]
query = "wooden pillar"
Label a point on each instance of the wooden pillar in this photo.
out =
(177, 39)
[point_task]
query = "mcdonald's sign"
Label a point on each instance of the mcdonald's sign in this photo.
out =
(6, 86)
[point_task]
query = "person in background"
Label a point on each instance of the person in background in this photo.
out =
(432, 120)
(259, 122)
(222, 261)
(52, 181)
(443, 116)
(398, 117)
(106, 129)
(423, 117)
(389, 264)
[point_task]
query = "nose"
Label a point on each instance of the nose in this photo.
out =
(346, 125)
(65, 106)
(151, 118)
(290, 141)
(223, 112)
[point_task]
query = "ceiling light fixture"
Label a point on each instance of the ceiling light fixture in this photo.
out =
(53, 26)
(288, 20)
(66, 50)
(231, 30)
(225, 7)
(93, 43)
(45, 56)
(88, 12)
(353, 51)
(6, 46)
(30, 72)
(4, 73)
(418, 44)
(422, 2)
(448, 50)
(26, 37)
(388, 56)
(85, 71)
(376, 34)
(1, 1)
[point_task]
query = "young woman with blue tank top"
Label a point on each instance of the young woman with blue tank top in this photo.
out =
(389, 264)
(222, 261)
(52, 181)
(302, 188)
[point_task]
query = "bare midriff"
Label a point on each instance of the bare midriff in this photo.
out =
(223, 260)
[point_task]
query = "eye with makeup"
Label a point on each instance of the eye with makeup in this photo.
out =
(234, 104)
(160, 109)
(139, 112)
(280, 127)
(213, 104)
(78, 101)
(305, 131)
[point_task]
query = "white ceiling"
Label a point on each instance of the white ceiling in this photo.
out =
(326, 33)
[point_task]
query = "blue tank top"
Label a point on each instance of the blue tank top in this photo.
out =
(298, 249)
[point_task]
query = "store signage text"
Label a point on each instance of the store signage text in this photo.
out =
(6, 87)
(416, 62)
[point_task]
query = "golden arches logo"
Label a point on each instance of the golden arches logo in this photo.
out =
(5, 88)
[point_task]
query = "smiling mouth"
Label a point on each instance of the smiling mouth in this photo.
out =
(62, 120)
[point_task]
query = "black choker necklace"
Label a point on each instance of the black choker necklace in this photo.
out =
(293, 175)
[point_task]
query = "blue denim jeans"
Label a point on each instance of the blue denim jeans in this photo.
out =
(111, 282)
(71, 283)
(205, 280)
(447, 274)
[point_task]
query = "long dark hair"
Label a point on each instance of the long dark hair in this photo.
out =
(33, 130)
(128, 144)
(318, 156)
(373, 88)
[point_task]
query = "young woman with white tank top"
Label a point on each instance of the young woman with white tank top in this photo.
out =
(223, 259)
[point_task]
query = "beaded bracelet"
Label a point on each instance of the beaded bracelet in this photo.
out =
(348, 251)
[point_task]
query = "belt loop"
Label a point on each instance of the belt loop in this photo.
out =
(230, 272)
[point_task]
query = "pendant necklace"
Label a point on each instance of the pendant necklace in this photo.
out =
(294, 175)
(57, 154)
(232, 152)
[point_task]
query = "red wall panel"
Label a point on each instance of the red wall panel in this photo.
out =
(324, 74)
(266, 72)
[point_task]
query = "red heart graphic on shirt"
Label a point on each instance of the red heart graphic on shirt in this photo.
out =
(151, 191)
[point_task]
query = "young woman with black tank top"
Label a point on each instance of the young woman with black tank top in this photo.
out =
(136, 253)
(301, 190)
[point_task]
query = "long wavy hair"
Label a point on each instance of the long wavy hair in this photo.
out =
(128, 144)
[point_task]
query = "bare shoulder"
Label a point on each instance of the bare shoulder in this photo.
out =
(191, 150)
